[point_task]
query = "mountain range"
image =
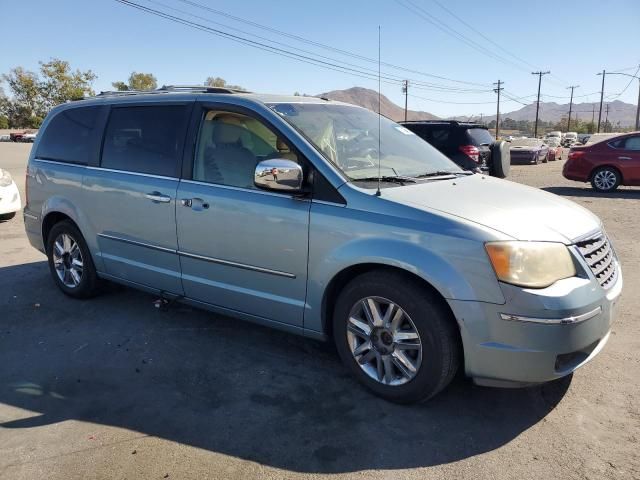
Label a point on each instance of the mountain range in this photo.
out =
(622, 112)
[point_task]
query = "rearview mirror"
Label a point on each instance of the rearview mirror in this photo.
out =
(279, 175)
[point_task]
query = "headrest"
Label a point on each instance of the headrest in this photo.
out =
(227, 129)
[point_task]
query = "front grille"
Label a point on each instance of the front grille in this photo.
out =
(600, 257)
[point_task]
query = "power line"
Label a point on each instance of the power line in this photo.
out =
(306, 55)
(325, 46)
(422, 13)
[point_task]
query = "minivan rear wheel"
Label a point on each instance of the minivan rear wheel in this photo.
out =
(396, 337)
(70, 262)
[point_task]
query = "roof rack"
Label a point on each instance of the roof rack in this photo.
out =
(170, 89)
(201, 88)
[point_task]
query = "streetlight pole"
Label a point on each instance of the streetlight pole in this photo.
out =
(571, 106)
(540, 74)
(637, 106)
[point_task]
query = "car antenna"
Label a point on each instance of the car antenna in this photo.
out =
(379, 114)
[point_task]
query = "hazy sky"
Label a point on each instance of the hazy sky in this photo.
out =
(504, 40)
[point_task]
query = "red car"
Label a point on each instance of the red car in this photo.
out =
(606, 164)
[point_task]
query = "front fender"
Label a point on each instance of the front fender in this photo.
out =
(457, 268)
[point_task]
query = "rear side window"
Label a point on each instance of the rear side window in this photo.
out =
(479, 136)
(145, 139)
(632, 143)
(70, 136)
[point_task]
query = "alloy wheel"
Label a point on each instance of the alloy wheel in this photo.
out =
(605, 179)
(384, 341)
(67, 260)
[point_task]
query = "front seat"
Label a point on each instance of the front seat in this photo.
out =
(227, 161)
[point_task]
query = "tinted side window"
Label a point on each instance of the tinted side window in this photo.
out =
(69, 137)
(145, 139)
(632, 143)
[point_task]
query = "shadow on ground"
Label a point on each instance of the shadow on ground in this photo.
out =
(227, 386)
(588, 192)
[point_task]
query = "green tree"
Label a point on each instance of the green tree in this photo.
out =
(33, 95)
(4, 122)
(137, 81)
(221, 83)
(60, 84)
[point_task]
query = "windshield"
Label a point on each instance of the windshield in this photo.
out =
(552, 141)
(348, 137)
(525, 142)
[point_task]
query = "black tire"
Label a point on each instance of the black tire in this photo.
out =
(599, 176)
(500, 159)
(434, 323)
(546, 158)
(89, 282)
(7, 216)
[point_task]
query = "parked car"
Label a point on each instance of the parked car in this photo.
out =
(569, 139)
(5, 138)
(555, 149)
(606, 164)
(529, 150)
(411, 265)
(10, 201)
(583, 138)
(16, 136)
(29, 137)
(555, 134)
(470, 145)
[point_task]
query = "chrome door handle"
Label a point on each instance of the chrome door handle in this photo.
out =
(157, 197)
(185, 202)
(624, 158)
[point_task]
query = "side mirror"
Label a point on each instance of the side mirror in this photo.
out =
(279, 175)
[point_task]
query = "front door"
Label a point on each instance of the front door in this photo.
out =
(241, 248)
(131, 195)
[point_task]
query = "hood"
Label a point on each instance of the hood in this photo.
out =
(525, 148)
(519, 211)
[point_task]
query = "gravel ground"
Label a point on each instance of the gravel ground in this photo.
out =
(115, 388)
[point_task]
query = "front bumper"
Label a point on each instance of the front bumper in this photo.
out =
(537, 335)
(10, 199)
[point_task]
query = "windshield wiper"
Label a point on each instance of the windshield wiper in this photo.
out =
(442, 173)
(387, 178)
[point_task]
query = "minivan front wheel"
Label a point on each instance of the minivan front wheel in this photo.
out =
(70, 262)
(396, 337)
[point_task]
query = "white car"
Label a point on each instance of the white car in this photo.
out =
(10, 201)
(5, 138)
(29, 137)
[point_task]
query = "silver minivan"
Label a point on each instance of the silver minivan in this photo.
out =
(326, 220)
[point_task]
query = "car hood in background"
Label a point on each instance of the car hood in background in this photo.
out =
(521, 212)
(518, 148)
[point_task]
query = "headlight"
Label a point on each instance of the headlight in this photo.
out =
(530, 264)
(5, 178)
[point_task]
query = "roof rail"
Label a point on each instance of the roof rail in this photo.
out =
(201, 88)
(171, 88)
(124, 93)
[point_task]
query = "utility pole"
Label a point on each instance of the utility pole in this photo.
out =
(593, 116)
(638, 106)
(601, 99)
(405, 90)
(571, 106)
(498, 90)
(540, 74)
(481, 119)
(606, 119)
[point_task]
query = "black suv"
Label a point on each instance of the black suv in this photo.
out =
(470, 145)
